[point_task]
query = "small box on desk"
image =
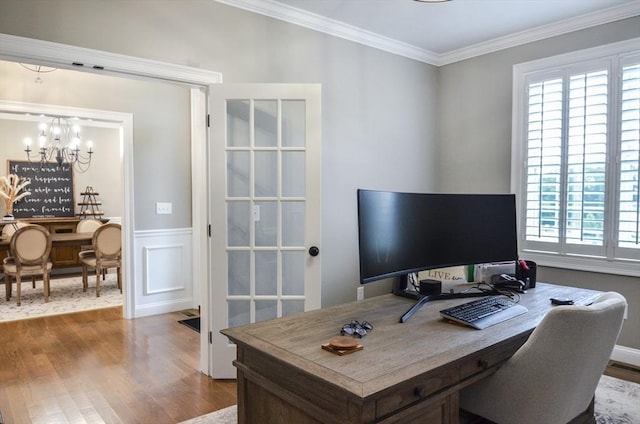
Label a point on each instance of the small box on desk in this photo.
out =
(484, 272)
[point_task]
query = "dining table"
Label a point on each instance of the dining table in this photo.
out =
(57, 240)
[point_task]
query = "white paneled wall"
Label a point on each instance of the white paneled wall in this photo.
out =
(163, 279)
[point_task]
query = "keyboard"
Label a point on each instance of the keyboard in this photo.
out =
(484, 312)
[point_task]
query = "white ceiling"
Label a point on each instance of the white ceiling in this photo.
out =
(441, 33)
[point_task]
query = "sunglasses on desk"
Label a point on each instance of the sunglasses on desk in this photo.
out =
(355, 328)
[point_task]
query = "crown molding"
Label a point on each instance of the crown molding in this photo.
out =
(616, 13)
(286, 13)
(322, 24)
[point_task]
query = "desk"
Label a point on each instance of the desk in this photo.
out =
(410, 372)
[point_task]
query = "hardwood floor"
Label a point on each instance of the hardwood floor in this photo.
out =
(95, 367)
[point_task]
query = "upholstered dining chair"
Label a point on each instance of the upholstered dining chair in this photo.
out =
(88, 225)
(552, 378)
(8, 230)
(11, 228)
(106, 248)
(29, 251)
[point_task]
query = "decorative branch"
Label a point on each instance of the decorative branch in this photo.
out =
(10, 190)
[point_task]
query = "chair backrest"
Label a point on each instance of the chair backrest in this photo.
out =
(9, 229)
(88, 225)
(107, 241)
(553, 376)
(30, 245)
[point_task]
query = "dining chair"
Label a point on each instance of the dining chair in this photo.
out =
(7, 231)
(11, 228)
(88, 225)
(552, 378)
(106, 253)
(29, 251)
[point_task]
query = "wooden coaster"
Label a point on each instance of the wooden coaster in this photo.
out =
(342, 345)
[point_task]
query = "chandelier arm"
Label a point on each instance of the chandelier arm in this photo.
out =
(60, 143)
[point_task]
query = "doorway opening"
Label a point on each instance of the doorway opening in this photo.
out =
(20, 49)
(110, 133)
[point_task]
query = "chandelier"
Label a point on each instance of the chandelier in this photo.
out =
(59, 141)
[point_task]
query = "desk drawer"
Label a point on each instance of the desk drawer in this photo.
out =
(415, 390)
(489, 358)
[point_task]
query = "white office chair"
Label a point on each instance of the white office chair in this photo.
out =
(552, 378)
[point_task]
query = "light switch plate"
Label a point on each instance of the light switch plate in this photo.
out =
(163, 208)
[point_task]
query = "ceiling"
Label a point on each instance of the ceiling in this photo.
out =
(442, 33)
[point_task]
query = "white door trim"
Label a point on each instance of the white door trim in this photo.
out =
(21, 49)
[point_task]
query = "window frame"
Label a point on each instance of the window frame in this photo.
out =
(539, 70)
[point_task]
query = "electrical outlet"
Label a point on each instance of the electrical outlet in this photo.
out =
(163, 208)
(360, 293)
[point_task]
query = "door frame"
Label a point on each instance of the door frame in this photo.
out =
(21, 49)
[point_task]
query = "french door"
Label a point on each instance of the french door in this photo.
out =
(264, 207)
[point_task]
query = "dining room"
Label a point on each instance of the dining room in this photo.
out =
(58, 193)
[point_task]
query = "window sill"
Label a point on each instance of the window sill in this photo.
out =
(584, 263)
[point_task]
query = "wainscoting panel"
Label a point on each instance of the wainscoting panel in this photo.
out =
(163, 268)
(163, 276)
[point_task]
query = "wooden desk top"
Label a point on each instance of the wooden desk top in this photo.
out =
(393, 352)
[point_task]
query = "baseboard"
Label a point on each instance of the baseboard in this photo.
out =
(157, 308)
(626, 355)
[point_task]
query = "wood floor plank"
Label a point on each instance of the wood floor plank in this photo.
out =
(95, 367)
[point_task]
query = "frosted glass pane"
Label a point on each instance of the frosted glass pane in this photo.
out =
(293, 224)
(266, 165)
(238, 134)
(293, 123)
(266, 222)
(266, 123)
(238, 174)
(266, 309)
(266, 273)
(239, 312)
(239, 273)
(293, 273)
(293, 174)
(292, 307)
(238, 224)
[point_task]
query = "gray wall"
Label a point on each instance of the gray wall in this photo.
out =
(382, 114)
(378, 109)
(474, 139)
(162, 136)
(104, 175)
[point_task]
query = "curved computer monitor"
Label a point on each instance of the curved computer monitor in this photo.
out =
(403, 233)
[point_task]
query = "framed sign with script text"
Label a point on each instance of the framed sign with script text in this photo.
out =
(51, 190)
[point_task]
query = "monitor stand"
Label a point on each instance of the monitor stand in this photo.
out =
(401, 288)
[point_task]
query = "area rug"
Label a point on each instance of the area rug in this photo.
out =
(617, 402)
(65, 296)
(192, 323)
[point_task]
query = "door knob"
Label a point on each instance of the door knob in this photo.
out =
(314, 251)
